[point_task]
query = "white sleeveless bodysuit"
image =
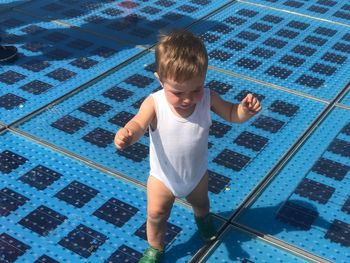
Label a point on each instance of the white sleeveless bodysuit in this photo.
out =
(179, 146)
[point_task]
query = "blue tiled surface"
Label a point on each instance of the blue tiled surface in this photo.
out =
(338, 11)
(54, 60)
(323, 159)
(279, 48)
(135, 21)
(238, 246)
(346, 100)
(109, 116)
(304, 66)
(76, 207)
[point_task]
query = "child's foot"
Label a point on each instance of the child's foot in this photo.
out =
(206, 228)
(151, 255)
(7, 53)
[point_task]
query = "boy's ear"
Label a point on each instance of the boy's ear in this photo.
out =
(156, 75)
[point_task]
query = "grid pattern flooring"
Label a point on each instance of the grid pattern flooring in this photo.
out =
(278, 184)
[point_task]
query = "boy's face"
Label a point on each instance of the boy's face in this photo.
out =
(183, 95)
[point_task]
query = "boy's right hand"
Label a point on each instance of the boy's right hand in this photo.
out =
(123, 138)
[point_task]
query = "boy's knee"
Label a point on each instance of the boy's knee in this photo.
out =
(157, 216)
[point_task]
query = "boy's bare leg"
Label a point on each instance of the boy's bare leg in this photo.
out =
(199, 199)
(159, 204)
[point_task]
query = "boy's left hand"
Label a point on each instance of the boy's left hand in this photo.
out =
(250, 104)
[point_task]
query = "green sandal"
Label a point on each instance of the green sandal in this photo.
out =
(151, 255)
(206, 228)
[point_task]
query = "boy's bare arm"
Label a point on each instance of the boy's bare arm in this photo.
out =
(137, 126)
(231, 112)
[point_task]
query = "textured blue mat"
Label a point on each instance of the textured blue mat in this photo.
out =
(83, 71)
(53, 206)
(307, 204)
(346, 100)
(135, 21)
(238, 246)
(53, 61)
(85, 124)
(338, 11)
(279, 48)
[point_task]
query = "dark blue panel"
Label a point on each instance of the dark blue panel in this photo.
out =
(121, 118)
(297, 215)
(11, 77)
(251, 141)
(274, 42)
(136, 152)
(235, 45)
(314, 190)
(346, 129)
(84, 63)
(40, 177)
(260, 27)
(10, 101)
(99, 137)
(323, 69)
(346, 206)
(310, 81)
(219, 129)
(248, 63)
(278, 72)
(220, 55)
(272, 19)
(262, 52)
(77, 194)
(315, 40)
(298, 25)
(340, 147)
(304, 50)
(10, 161)
(219, 87)
(240, 96)
(268, 124)
(232, 160)
(294, 4)
(246, 35)
(342, 47)
(35, 65)
(10, 248)
(334, 58)
(42, 220)
(247, 13)
(325, 31)
(287, 33)
(283, 108)
(45, 259)
(36, 87)
(83, 240)
(68, 124)
(171, 233)
(117, 94)
(339, 232)
(331, 169)
(116, 212)
(94, 108)
(124, 254)
(10, 201)
(235, 20)
(217, 182)
(139, 81)
(292, 60)
(61, 74)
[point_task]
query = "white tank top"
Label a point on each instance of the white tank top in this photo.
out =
(179, 146)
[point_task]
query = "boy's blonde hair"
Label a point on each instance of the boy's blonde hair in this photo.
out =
(180, 56)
